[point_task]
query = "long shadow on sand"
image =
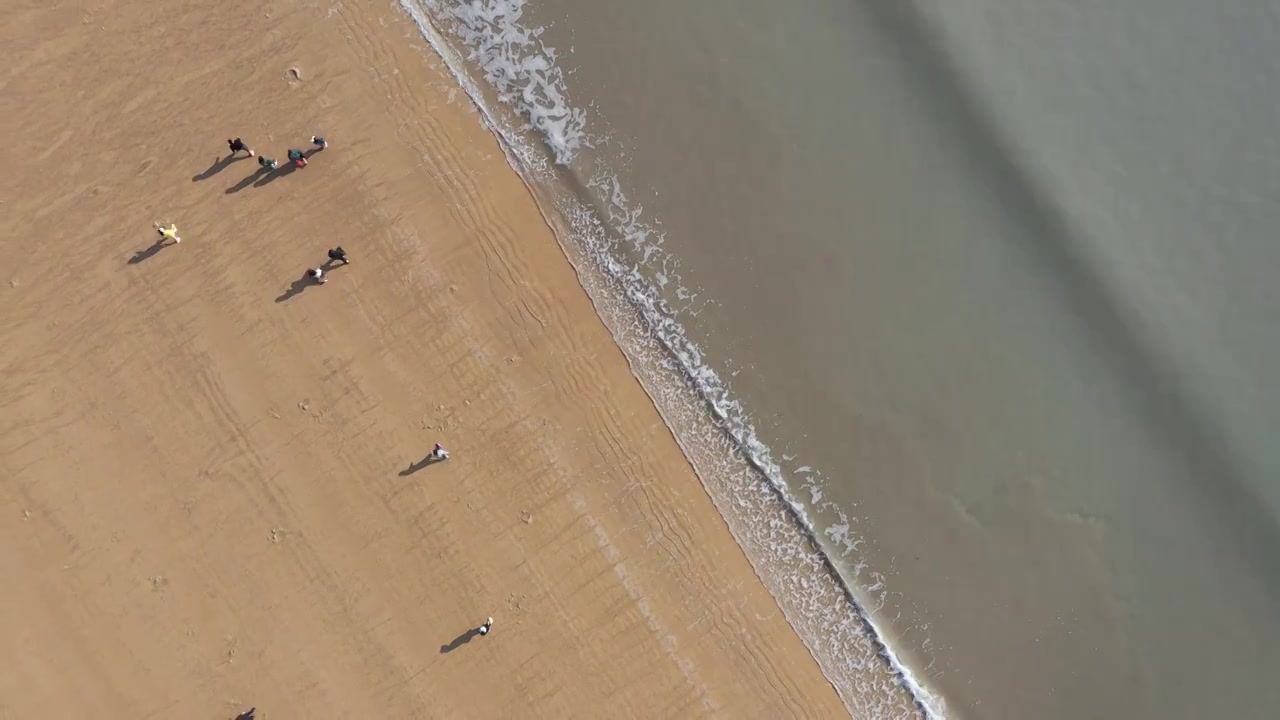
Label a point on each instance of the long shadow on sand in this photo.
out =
(459, 641)
(218, 166)
(305, 282)
(143, 255)
(276, 174)
(297, 287)
(428, 460)
(256, 174)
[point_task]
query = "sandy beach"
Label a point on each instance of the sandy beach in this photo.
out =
(211, 489)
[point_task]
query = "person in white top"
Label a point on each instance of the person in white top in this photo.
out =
(317, 274)
(486, 627)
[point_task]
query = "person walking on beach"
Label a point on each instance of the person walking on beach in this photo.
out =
(168, 233)
(319, 142)
(486, 627)
(338, 255)
(237, 145)
(297, 158)
(247, 714)
(268, 163)
(438, 453)
(317, 274)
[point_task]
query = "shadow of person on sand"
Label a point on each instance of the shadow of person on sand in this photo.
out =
(143, 255)
(461, 640)
(298, 286)
(247, 181)
(332, 264)
(218, 166)
(274, 175)
(415, 467)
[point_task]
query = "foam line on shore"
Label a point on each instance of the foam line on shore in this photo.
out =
(713, 427)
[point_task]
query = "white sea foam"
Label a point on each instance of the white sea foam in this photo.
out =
(515, 63)
(738, 470)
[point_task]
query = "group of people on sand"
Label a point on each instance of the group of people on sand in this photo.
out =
(335, 255)
(169, 233)
(299, 159)
(296, 156)
(338, 254)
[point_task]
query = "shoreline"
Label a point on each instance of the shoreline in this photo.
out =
(750, 495)
(208, 482)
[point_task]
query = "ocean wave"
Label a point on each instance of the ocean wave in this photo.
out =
(519, 67)
(641, 301)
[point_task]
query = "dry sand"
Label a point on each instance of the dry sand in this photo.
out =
(204, 499)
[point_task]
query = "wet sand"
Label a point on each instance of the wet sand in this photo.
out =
(212, 489)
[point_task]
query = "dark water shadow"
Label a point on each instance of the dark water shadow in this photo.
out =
(297, 287)
(218, 166)
(311, 152)
(247, 181)
(143, 255)
(1215, 475)
(459, 641)
(428, 460)
(279, 172)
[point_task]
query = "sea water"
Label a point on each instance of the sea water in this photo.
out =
(960, 310)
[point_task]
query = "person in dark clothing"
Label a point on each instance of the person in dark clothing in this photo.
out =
(319, 142)
(338, 255)
(268, 163)
(247, 714)
(237, 145)
(297, 158)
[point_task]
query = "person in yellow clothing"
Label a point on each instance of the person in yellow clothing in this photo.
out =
(168, 233)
